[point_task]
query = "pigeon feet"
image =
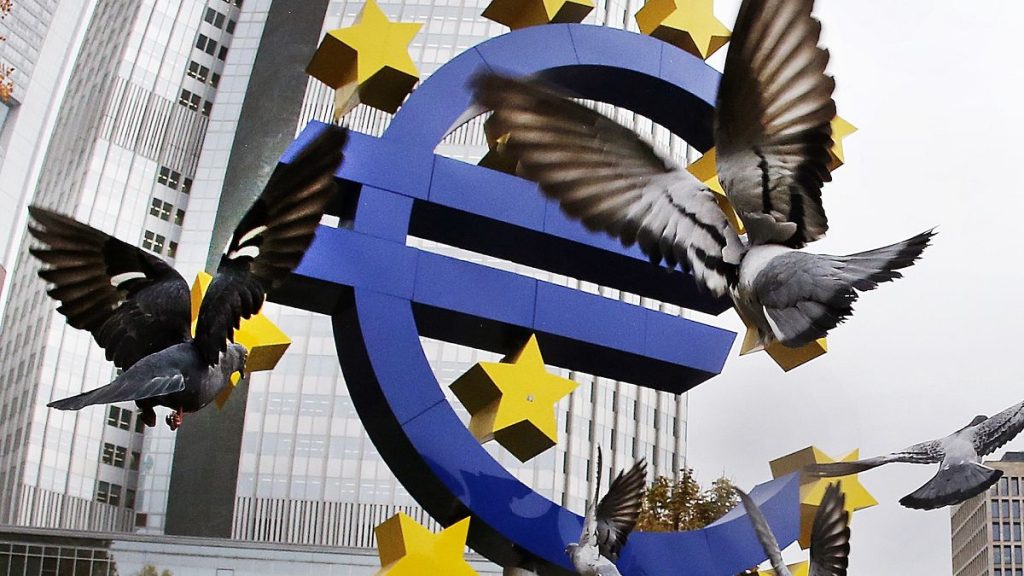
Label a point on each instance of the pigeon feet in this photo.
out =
(174, 419)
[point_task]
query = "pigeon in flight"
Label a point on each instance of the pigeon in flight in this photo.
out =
(607, 525)
(772, 135)
(138, 308)
(830, 535)
(961, 474)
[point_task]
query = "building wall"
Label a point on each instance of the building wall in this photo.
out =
(122, 157)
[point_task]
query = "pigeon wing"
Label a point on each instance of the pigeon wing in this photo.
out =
(991, 434)
(124, 388)
(604, 175)
(270, 240)
(764, 534)
(924, 453)
(773, 130)
(133, 303)
(830, 535)
(619, 510)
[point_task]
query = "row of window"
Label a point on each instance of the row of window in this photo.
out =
(164, 211)
(172, 179)
(1007, 572)
(217, 20)
(115, 455)
(1006, 487)
(1005, 509)
(109, 493)
(1006, 531)
(195, 102)
(202, 73)
(209, 45)
(155, 243)
(1007, 554)
(122, 418)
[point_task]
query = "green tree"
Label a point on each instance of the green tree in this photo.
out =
(150, 570)
(669, 505)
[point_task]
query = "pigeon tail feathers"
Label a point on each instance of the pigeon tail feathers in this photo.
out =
(952, 485)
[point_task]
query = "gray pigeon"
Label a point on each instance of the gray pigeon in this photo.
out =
(772, 136)
(607, 525)
(830, 535)
(961, 474)
(138, 308)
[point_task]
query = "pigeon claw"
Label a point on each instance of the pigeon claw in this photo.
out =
(174, 420)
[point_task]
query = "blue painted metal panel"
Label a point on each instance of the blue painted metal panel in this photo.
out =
(487, 193)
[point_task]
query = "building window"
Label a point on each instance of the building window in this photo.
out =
(153, 242)
(119, 455)
(133, 464)
(215, 80)
(119, 418)
(1015, 514)
(230, 29)
(179, 217)
(223, 54)
(169, 178)
(129, 499)
(207, 106)
(189, 100)
(161, 209)
(186, 185)
(140, 426)
(198, 71)
(114, 499)
(206, 44)
(172, 249)
(995, 509)
(107, 456)
(214, 18)
(102, 492)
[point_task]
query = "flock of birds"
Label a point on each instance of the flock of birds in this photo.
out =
(772, 136)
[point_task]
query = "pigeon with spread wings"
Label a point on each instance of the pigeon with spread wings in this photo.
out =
(137, 307)
(961, 474)
(772, 132)
(608, 522)
(830, 535)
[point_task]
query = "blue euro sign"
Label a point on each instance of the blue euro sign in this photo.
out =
(383, 295)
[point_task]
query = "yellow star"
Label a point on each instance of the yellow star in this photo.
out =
(787, 358)
(368, 62)
(705, 169)
(518, 14)
(812, 490)
(840, 129)
(513, 401)
(408, 549)
(265, 342)
(798, 569)
(687, 24)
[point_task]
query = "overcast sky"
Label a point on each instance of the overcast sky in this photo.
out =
(934, 87)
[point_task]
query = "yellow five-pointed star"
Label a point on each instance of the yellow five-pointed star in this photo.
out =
(513, 401)
(265, 342)
(687, 24)
(840, 129)
(812, 489)
(518, 14)
(408, 549)
(368, 62)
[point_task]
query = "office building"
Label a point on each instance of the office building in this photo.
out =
(986, 530)
(121, 156)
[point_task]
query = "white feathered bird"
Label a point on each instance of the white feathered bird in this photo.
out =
(772, 135)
